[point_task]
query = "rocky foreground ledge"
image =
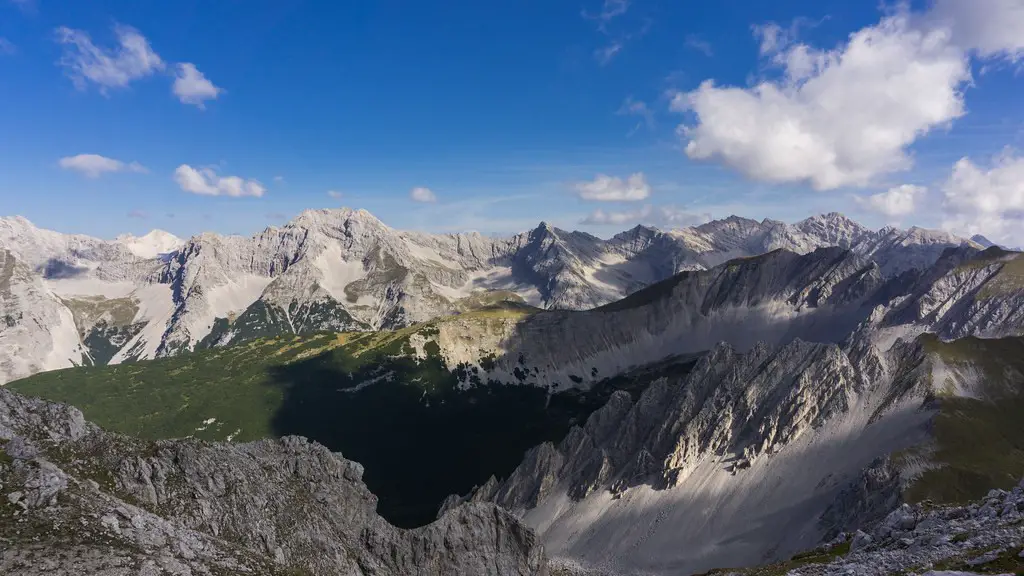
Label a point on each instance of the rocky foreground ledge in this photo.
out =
(77, 500)
(986, 537)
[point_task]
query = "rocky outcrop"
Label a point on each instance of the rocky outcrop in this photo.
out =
(37, 332)
(77, 500)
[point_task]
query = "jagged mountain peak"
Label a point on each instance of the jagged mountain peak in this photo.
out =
(152, 244)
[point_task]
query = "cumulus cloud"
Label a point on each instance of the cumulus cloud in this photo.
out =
(898, 201)
(990, 28)
(94, 165)
(191, 87)
(605, 188)
(837, 117)
(421, 194)
(206, 182)
(116, 67)
(662, 216)
(987, 199)
(335, 194)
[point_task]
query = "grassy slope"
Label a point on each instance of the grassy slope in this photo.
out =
(418, 435)
(979, 440)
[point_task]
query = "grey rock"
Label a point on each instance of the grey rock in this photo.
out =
(189, 507)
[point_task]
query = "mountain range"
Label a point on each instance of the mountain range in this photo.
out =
(75, 300)
(731, 414)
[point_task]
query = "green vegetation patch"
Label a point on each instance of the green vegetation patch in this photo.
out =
(979, 440)
(821, 555)
(419, 431)
(1007, 562)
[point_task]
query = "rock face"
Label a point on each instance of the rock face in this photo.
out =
(37, 332)
(77, 500)
(779, 446)
(345, 270)
(749, 448)
(985, 536)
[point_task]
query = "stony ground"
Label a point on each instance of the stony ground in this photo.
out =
(986, 537)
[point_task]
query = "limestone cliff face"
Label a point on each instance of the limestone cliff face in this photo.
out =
(78, 500)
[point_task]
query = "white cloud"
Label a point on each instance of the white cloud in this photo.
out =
(838, 118)
(662, 216)
(605, 188)
(991, 28)
(191, 87)
(206, 182)
(845, 116)
(773, 37)
(898, 201)
(84, 62)
(987, 200)
(421, 194)
(94, 165)
(6, 47)
(279, 179)
(335, 194)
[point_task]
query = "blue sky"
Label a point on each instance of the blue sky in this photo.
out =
(509, 112)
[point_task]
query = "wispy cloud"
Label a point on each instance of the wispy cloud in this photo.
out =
(421, 194)
(662, 216)
(192, 87)
(86, 63)
(94, 165)
(7, 47)
(26, 6)
(610, 11)
(606, 54)
(699, 45)
(138, 214)
(631, 107)
(335, 194)
(279, 179)
(206, 182)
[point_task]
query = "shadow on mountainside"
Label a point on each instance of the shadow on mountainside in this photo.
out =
(419, 437)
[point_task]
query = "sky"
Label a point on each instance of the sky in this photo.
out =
(454, 115)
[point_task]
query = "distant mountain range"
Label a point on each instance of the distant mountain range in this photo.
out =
(76, 300)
